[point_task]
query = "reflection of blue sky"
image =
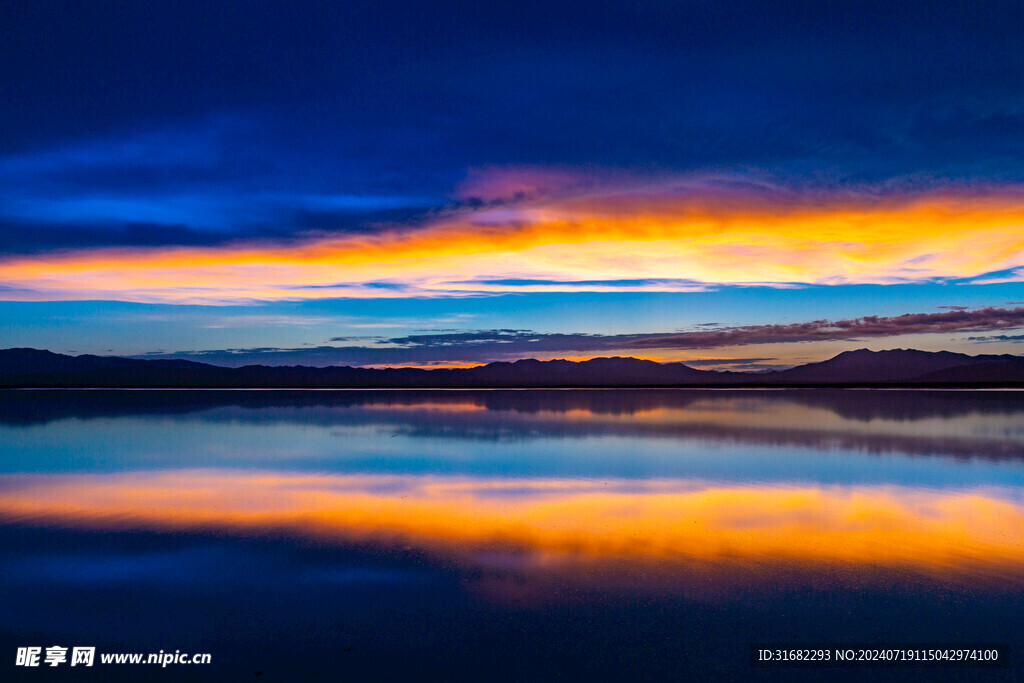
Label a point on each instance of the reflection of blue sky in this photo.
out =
(210, 593)
(186, 566)
(205, 564)
(752, 438)
(370, 450)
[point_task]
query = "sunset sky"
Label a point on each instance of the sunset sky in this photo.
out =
(733, 185)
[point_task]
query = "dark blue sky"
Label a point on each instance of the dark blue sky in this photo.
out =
(274, 106)
(153, 124)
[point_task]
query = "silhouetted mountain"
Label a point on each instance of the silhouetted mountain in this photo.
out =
(34, 368)
(999, 372)
(597, 371)
(897, 365)
(34, 362)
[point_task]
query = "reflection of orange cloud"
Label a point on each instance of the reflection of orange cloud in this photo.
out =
(639, 236)
(558, 521)
(455, 406)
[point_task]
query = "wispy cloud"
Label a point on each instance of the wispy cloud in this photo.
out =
(1014, 338)
(1011, 275)
(718, 362)
(203, 182)
(816, 330)
(480, 346)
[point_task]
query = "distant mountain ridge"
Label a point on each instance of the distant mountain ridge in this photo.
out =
(36, 361)
(896, 365)
(28, 368)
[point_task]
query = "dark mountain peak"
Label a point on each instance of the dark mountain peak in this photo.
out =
(857, 352)
(27, 352)
(28, 361)
(992, 372)
(894, 353)
(614, 371)
(620, 361)
(889, 365)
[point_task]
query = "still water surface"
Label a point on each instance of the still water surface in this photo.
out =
(508, 535)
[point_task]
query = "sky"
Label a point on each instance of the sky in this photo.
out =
(729, 184)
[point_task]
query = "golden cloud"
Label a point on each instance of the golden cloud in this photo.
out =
(651, 240)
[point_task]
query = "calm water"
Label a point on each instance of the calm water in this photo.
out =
(507, 534)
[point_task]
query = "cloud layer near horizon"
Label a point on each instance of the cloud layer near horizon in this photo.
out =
(472, 347)
(537, 231)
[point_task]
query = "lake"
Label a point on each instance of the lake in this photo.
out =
(508, 535)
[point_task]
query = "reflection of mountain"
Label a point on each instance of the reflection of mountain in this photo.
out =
(34, 407)
(952, 423)
(33, 368)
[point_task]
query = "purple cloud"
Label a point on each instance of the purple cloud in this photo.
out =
(481, 346)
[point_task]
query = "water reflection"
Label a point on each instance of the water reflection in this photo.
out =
(477, 527)
(549, 523)
(524, 431)
(33, 406)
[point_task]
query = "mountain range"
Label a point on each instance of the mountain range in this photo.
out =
(30, 368)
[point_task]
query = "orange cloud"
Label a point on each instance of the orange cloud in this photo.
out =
(654, 239)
